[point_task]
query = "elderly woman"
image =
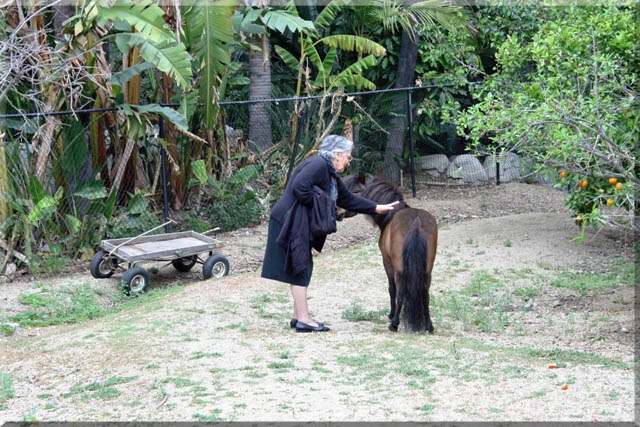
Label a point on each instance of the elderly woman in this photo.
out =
(315, 180)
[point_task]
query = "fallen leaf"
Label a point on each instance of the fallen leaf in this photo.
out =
(564, 387)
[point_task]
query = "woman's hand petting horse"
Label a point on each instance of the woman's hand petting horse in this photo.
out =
(383, 209)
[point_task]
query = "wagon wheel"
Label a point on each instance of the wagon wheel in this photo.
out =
(185, 264)
(102, 265)
(215, 266)
(135, 280)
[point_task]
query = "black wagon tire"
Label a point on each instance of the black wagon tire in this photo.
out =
(135, 280)
(185, 264)
(102, 266)
(215, 266)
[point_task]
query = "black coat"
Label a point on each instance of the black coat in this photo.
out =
(295, 207)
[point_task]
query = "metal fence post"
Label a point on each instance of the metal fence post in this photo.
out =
(497, 171)
(165, 191)
(410, 125)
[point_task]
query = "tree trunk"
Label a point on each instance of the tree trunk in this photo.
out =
(132, 92)
(404, 78)
(177, 178)
(260, 88)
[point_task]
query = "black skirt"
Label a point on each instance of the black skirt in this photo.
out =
(274, 258)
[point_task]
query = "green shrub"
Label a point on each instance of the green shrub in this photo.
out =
(135, 220)
(234, 207)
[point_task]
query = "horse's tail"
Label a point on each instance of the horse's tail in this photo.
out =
(415, 277)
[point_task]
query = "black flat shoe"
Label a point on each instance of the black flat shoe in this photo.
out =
(293, 322)
(303, 327)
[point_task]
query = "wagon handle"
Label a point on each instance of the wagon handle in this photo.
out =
(140, 235)
(213, 230)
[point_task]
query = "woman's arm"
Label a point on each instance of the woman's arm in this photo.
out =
(349, 201)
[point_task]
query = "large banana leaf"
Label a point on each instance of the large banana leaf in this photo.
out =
(281, 21)
(121, 77)
(169, 113)
(211, 31)
(353, 43)
(313, 55)
(169, 57)
(291, 61)
(329, 13)
(352, 75)
(327, 66)
(144, 15)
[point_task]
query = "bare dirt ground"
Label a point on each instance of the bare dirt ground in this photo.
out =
(527, 329)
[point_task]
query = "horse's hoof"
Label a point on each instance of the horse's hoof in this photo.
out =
(393, 328)
(430, 329)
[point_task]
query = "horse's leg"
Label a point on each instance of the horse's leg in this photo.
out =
(392, 295)
(429, 324)
(393, 326)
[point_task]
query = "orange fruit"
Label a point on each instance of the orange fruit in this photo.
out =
(610, 202)
(613, 181)
(583, 184)
(619, 186)
(564, 386)
(562, 174)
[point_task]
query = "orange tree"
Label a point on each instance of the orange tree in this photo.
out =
(567, 96)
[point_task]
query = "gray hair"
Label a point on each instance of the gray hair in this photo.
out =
(334, 144)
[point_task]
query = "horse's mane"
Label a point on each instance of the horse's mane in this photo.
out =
(381, 191)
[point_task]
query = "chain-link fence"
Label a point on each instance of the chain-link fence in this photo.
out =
(116, 172)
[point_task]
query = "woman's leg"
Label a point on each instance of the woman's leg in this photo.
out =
(300, 308)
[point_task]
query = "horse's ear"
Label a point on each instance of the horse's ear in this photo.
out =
(361, 178)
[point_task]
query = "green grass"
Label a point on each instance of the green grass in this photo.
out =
(565, 356)
(426, 408)
(528, 292)
(7, 329)
(179, 382)
(280, 365)
(260, 303)
(214, 416)
(6, 387)
(593, 282)
(200, 355)
(480, 306)
(75, 305)
(356, 313)
(100, 390)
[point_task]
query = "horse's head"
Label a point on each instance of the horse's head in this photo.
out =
(354, 183)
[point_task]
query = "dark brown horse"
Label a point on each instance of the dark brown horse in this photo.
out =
(408, 240)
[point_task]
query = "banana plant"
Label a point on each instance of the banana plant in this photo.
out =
(209, 36)
(254, 24)
(311, 42)
(146, 42)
